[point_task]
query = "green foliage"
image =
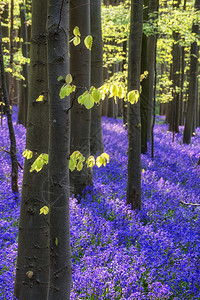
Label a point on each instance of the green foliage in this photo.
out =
(88, 42)
(39, 163)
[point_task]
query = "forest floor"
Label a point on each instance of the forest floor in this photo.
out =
(118, 253)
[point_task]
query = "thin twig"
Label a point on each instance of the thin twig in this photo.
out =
(6, 151)
(188, 203)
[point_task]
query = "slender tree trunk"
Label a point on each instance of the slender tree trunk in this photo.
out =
(123, 68)
(59, 145)
(11, 79)
(23, 105)
(13, 151)
(134, 121)
(96, 141)
(33, 244)
(80, 66)
(192, 97)
(144, 97)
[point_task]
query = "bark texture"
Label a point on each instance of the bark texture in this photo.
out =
(96, 141)
(59, 144)
(80, 66)
(13, 150)
(33, 245)
(134, 121)
(192, 97)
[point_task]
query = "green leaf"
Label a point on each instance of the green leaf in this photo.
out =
(76, 41)
(66, 90)
(88, 42)
(76, 31)
(79, 166)
(68, 78)
(40, 98)
(44, 210)
(72, 164)
(88, 101)
(28, 154)
(133, 96)
(100, 161)
(90, 162)
(96, 95)
(60, 78)
(56, 241)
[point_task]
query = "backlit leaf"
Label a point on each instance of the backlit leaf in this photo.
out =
(133, 96)
(76, 31)
(40, 98)
(44, 210)
(88, 42)
(68, 78)
(76, 41)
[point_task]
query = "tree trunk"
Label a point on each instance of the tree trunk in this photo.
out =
(192, 97)
(96, 140)
(33, 245)
(80, 66)
(144, 97)
(13, 151)
(23, 104)
(134, 121)
(59, 145)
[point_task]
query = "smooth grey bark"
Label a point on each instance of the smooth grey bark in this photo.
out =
(134, 121)
(144, 97)
(59, 146)
(80, 69)
(13, 150)
(175, 76)
(33, 243)
(23, 104)
(96, 140)
(192, 96)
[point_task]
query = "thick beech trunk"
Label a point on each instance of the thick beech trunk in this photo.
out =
(59, 144)
(80, 66)
(13, 151)
(23, 102)
(192, 97)
(134, 121)
(33, 244)
(96, 141)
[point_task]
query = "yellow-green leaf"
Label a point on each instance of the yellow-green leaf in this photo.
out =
(96, 95)
(79, 166)
(76, 41)
(60, 78)
(88, 101)
(90, 162)
(68, 78)
(44, 210)
(56, 241)
(72, 164)
(88, 42)
(133, 96)
(76, 31)
(40, 98)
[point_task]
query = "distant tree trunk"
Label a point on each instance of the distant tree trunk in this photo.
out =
(33, 244)
(80, 60)
(59, 146)
(11, 79)
(144, 97)
(192, 97)
(23, 104)
(105, 101)
(13, 151)
(174, 118)
(96, 141)
(123, 68)
(134, 121)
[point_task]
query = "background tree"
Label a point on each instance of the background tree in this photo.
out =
(134, 121)
(80, 69)
(193, 87)
(96, 141)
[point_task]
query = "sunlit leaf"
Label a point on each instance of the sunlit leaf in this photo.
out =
(44, 210)
(133, 96)
(88, 42)
(76, 41)
(40, 98)
(76, 31)
(68, 78)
